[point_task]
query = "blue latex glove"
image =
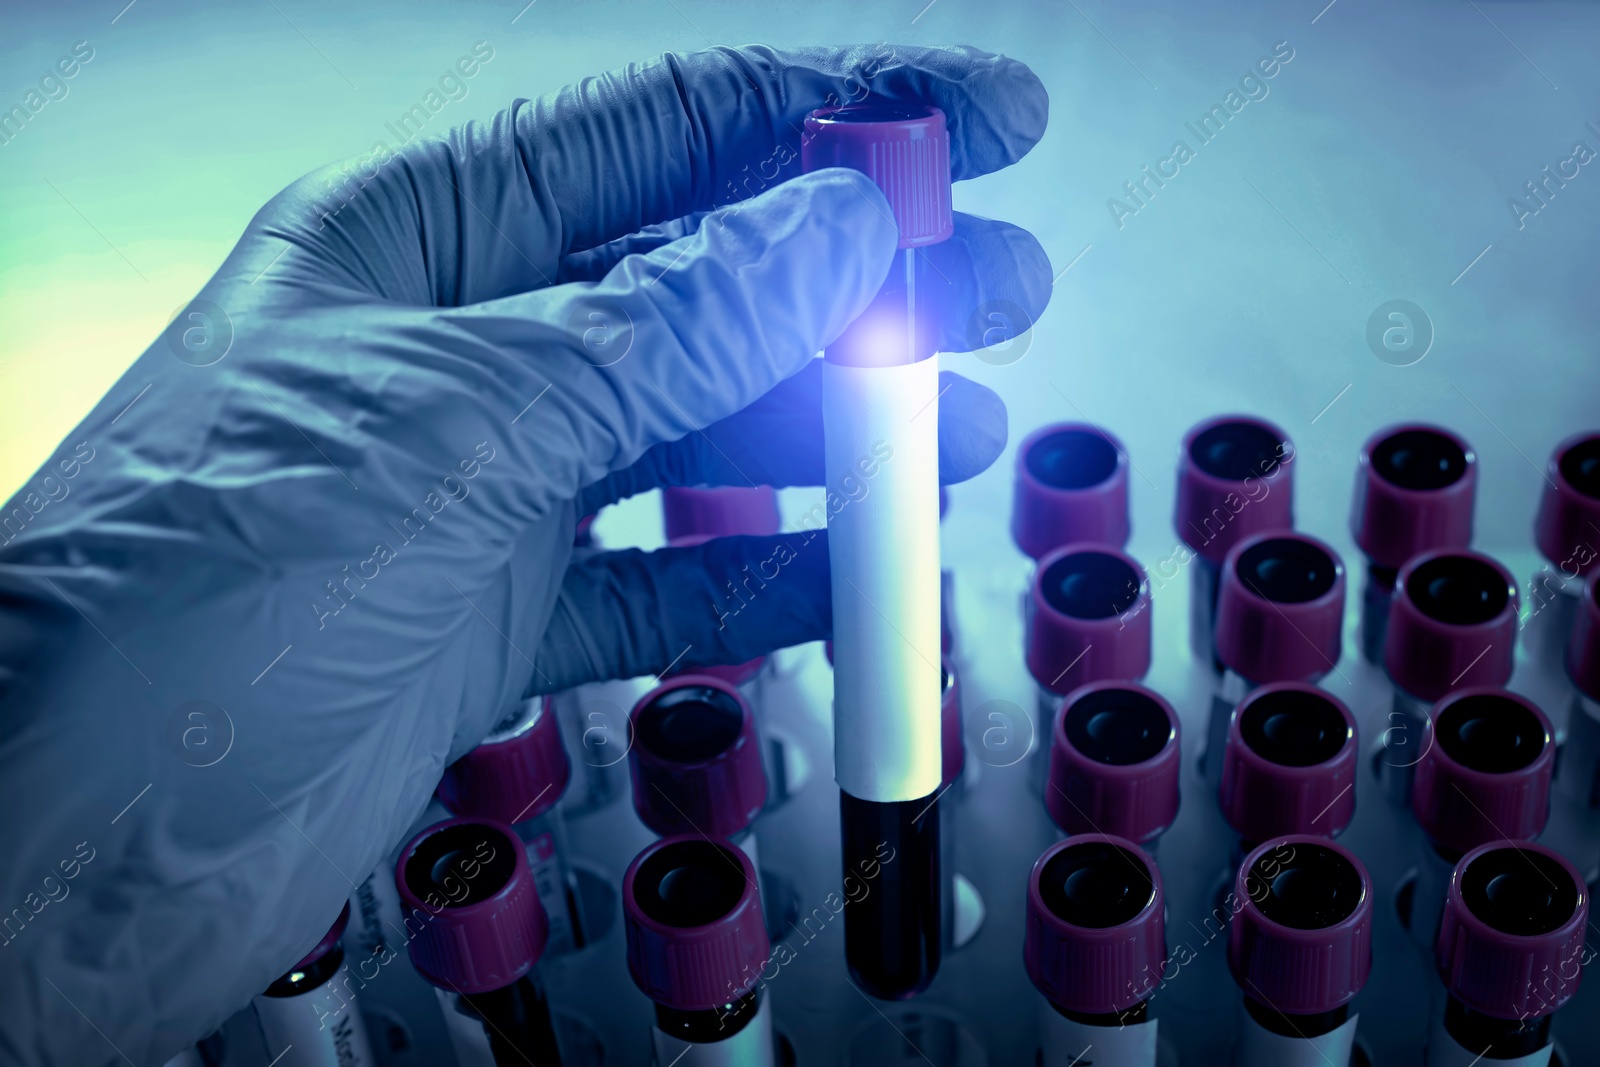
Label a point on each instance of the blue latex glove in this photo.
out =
(349, 538)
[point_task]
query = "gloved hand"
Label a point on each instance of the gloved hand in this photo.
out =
(301, 567)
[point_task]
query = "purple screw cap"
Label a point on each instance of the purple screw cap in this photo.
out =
(1485, 770)
(1235, 478)
(692, 911)
(1583, 650)
(1280, 608)
(1514, 950)
(1072, 486)
(1415, 486)
(708, 512)
(326, 945)
(517, 773)
(953, 748)
(1114, 762)
(1095, 939)
(1290, 764)
(696, 758)
(1302, 941)
(1088, 618)
(903, 147)
(1569, 510)
(482, 925)
(1452, 622)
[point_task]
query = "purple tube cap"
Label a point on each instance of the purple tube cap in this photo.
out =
(468, 883)
(1280, 608)
(1095, 933)
(1517, 965)
(1301, 945)
(1115, 760)
(696, 758)
(329, 940)
(1569, 510)
(1583, 649)
(1452, 623)
(1235, 478)
(1290, 764)
(903, 147)
(953, 749)
(1487, 758)
(1415, 486)
(1072, 486)
(721, 511)
(517, 773)
(1088, 618)
(695, 932)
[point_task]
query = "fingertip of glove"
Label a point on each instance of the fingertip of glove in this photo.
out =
(1009, 110)
(972, 428)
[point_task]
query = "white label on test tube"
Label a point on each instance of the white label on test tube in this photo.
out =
(545, 855)
(1260, 1047)
(1066, 1043)
(1443, 1051)
(318, 1028)
(883, 535)
(751, 1047)
(375, 921)
(467, 1036)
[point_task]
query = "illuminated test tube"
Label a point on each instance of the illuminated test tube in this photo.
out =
(880, 390)
(1484, 776)
(1071, 487)
(306, 1020)
(1565, 531)
(517, 775)
(1452, 625)
(1415, 486)
(477, 932)
(1095, 946)
(1235, 479)
(1280, 617)
(1511, 952)
(1579, 777)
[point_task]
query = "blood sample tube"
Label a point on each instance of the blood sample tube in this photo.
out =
(1452, 624)
(880, 390)
(1115, 757)
(477, 933)
(947, 591)
(1280, 614)
(1235, 479)
(517, 775)
(1415, 486)
(696, 762)
(1289, 766)
(1095, 946)
(1300, 949)
(1566, 533)
(1087, 619)
(1485, 775)
(697, 944)
(1511, 950)
(1579, 774)
(1071, 487)
(307, 1019)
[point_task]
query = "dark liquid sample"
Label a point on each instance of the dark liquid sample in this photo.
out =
(891, 934)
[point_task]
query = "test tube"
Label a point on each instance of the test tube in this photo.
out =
(1095, 946)
(1280, 617)
(1578, 778)
(306, 1020)
(517, 775)
(1115, 758)
(1565, 531)
(1071, 487)
(1300, 949)
(697, 945)
(477, 932)
(1087, 619)
(947, 591)
(1235, 479)
(1289, 766)
(1452, 624)
(1485, 775)
(1415, 486)
(880, 390)
(1511, 952)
